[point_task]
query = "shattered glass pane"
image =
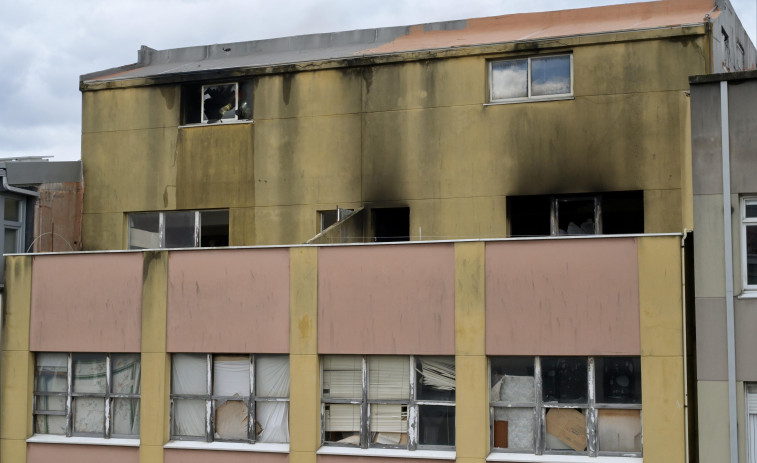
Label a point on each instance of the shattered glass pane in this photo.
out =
(144, 230)
(618, 380)
(564, 379)
(436, 425)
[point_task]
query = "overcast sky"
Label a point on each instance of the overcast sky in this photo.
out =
(47, 44)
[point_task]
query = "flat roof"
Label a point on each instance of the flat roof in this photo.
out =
(403, 39)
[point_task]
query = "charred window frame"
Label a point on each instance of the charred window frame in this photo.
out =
(399, 402)
(230, 398)
(566, 405)
(749, 243)
(223, 102)
(531, 79)
(85, 394)
(178, 229)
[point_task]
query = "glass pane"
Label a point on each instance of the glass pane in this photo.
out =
(751, 254)
(342, 423)
(12, 210)
(144, 231)
(245, 100)
(231, 375)
(11, 241)
(389, 419)
(618, 380)
(231, 420)
(89, 415)
(512, 380)
(126, 417)
(126, 372)
(509, 79)
(564, 379)
(388, 377)
(51, 403)
(619, 430)
(272, 422)
(51, 372)
(435, 378)
(343, 377)
(550, 75)
(436, 425)
(219, 102)
(49, 424)
(566, 429)
(189, 418)
(514, 428)
(576, 216)
(272, 376)
(328, 218)
(89, 373)
(214, 228)
(189, 374)
(180, 229)
(750, 209)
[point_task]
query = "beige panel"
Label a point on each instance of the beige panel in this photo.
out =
(662, 409)
(132, 108)
(16, 389)
(104, 231)
(711, 353)
(17, 303)
(242, 230)
(471, 407)
(87, 303)
(62, 453)
(470, 299)
(713, 421)
(388, 299)
(228, 301)
(204, 456)
(305, 403)
(154, 399)
(566, 297)
(746, 340)
(709, 277)
(154, 286)
(658, 211)
(303, 297)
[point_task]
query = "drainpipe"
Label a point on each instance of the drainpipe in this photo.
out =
(686, 232)
(21, 191)
(728, 251)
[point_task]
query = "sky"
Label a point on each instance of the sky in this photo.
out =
(48, 44)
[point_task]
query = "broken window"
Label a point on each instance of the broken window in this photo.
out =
(391, 224)
(329, 218)
(388, 401)
(566, 405)
(585, 214)
(749, 243)
(178, 229)
(13, 225)
(236, 398)
(214, 103)
(94, 395)
(543, 77)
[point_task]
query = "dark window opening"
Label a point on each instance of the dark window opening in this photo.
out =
(391, 224)
(216, 103)
(214, 228)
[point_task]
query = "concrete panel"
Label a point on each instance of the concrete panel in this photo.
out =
(658, 205)
(662, 410)
(62, 453)
(103, 231)
(203, 456)
(712, 355)
(87, 303)
(304, 403)
(13, 450)
(746, 342)
(228, 301)
(472, 406)
(743, 135)
(713, 421)
(470, 299)
(154, 402)
(154, 287)
(17, 304)
(393, 299)
(705, 146)
(16, 388)
(242, 226)
(562, 297)
(130, 109)
(303, 297)
(709, 276)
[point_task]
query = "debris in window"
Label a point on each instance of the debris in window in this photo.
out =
(231, 420)
(619, 430)
(566, 429)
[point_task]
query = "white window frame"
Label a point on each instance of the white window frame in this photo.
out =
(745, 223)
(750, 401)
(412, 403)
(529, 97)
(162, 226)
(108, 396)
(250, 400)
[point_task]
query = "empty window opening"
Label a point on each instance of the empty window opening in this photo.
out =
(391, 224)
(330, 217)
(178, 229)
(209, 104)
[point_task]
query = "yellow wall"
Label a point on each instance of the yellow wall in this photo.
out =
(411, 133)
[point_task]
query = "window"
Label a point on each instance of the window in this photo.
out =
(329, 218)
(391, 224)
(178, 229)
(388, 401)
(236, 398)
(543, 77)
(749, 243)
(216, 103)
(582, 214)
(566, 405)
(13, 224)
(94, 395)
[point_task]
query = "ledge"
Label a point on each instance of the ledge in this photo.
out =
(227, 446)
(747, 294)
(529, 457)
(530, 100)
(55, 439)
(388, 453)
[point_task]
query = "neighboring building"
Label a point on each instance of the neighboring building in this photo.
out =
(489, 337)
(725, 257)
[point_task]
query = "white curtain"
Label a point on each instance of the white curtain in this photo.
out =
(89, 376)
(189, 376)
(272, 380)
(231, 375)
(126, 373)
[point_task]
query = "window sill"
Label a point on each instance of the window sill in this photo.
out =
(530, 100)
(55, 439)
(748, 294)
(388, 453)
(228, 446)
(216, 124)
(528, 457)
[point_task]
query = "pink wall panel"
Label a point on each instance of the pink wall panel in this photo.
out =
(87, 303)
(566, 297)
(66, 453)
(386, 299)
(228, 301)
(216, 456)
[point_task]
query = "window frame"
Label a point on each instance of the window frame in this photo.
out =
(210, 402)
(18, 225)
(591, 406)
(108, 396)
(412, 403)
(162, 227)
(746, 222)
(193, 103)
(529, 96)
